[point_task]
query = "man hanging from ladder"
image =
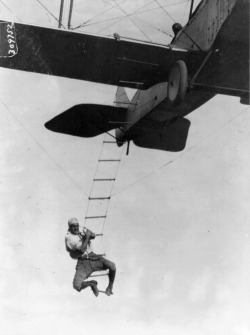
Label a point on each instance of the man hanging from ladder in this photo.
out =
(79, 246)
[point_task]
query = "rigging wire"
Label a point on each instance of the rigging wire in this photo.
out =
(94, 17)
(154, 27)
(165, 11)
(181, 154)
(162, 31)
(127, 15)
(134, 13)
(184, 13)
(41, 147)
(49, 12)
(10, 10)
(121, 17)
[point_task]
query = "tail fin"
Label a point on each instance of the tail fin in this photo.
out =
(121, 100)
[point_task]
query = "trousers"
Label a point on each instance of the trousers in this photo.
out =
(85, 266)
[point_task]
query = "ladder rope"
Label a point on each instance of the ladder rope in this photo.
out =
(99, 182)
(112, 186)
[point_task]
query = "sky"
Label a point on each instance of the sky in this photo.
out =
(177, 225)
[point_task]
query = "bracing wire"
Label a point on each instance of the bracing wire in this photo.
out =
(113, 6)
(132, 14)
(10, 10)
(121, 18)
(156, 28)
(184, 13)
(127, 16)
(94, 17)
(42, 148)
(163, 8)
(136, 12)
(180, 156)
(49, 12)
(107, 20)
(156, 1)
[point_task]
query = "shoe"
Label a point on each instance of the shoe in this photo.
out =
(95, 290)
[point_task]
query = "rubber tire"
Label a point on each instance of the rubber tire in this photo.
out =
(177, 83)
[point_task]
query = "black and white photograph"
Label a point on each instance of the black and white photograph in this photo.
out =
(124, 167)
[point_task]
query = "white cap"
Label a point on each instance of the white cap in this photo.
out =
(72, 221)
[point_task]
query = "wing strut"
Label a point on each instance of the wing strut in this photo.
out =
(191, 9)
(61, 14)
(201, 67)
(70, 13)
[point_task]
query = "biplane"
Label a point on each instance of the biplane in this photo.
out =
(207, 56)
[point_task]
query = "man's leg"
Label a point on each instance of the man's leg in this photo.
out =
(79, 282)
(92, 284)
(112, 271)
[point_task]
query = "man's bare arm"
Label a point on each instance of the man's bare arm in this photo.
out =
(86, 240)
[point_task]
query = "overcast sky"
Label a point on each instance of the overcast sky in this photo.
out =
(177, 225)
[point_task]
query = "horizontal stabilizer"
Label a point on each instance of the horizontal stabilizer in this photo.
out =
(87, 120)
(121, 98)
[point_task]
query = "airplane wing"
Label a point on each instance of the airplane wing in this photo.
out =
(165, 127)
(226, 69)
(107, 60)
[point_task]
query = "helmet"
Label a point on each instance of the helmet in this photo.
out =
(176, 28)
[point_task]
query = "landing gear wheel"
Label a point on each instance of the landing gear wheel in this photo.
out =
(177, 83)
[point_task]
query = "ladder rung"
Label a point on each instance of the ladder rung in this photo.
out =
(104, 179)
(95, 217)
(103, 198)
(109, 160)
(105, 274)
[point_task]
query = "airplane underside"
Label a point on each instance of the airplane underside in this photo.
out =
(106, 60)
(167, 78)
